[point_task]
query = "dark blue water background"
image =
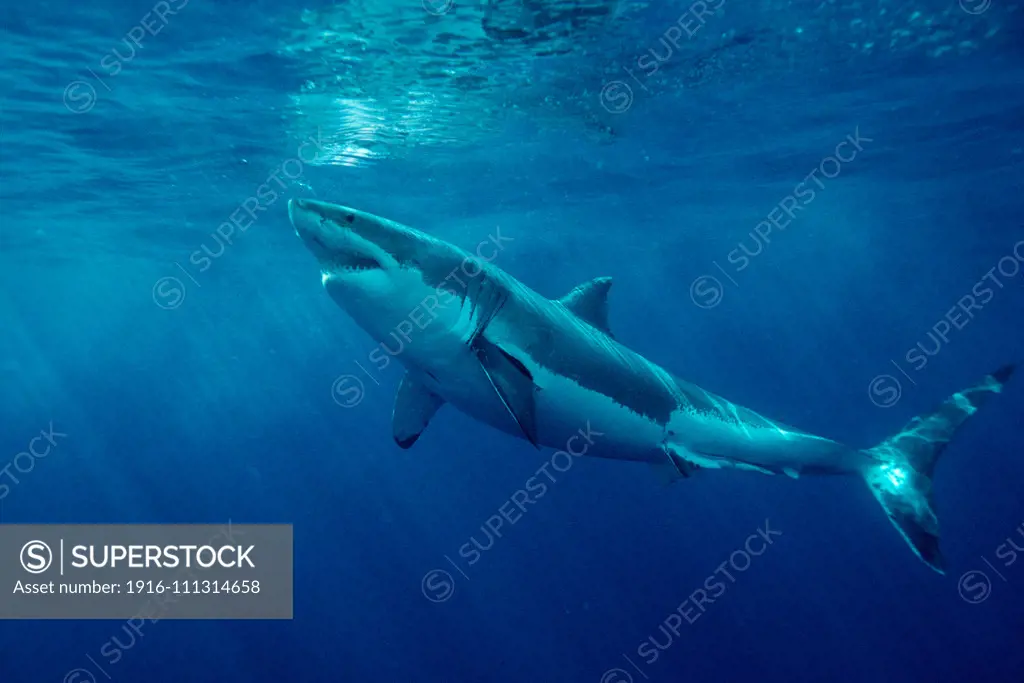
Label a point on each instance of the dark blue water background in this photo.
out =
(212, 400)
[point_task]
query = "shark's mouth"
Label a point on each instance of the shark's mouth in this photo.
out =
(351, 262)
(363, 263)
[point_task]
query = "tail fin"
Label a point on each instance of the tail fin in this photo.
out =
(901, 479)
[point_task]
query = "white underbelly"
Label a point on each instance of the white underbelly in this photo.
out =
(565, 409)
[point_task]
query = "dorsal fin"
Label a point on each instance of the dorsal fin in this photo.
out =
(589, 301)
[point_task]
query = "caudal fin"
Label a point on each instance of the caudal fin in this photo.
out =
(901, 478)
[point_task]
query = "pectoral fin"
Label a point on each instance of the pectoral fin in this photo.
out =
(414, 406)
(513, 383)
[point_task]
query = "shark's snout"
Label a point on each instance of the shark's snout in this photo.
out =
(294, 207)
(307, 218)
(314, 226)
(331, 233)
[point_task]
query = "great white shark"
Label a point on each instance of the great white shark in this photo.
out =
(542, 369)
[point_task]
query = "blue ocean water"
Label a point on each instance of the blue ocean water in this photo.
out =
(793, 198)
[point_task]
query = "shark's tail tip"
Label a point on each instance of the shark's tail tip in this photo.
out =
(902, 466)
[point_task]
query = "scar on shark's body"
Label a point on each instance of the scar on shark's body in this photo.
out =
(543, 370)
